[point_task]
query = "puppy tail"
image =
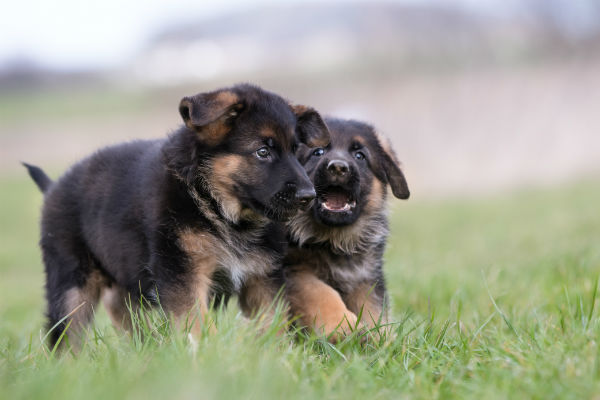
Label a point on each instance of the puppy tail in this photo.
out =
(39, 177)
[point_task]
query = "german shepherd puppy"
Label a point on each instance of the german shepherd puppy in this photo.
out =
(181, 219)
(333, 269)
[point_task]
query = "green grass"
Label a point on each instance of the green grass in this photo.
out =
(69, 103)
(493, 297)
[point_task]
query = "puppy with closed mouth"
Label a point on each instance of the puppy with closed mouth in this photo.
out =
(181, 220)
(333, 268)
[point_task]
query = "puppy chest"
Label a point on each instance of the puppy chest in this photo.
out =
(241, 265)
(207, 253)
(349, 273)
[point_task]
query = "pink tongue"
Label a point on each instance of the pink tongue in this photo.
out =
(336, 200)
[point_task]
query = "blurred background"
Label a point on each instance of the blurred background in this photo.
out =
(493, 106)
(477, 96)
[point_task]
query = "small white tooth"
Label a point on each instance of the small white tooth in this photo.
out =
(346, 207)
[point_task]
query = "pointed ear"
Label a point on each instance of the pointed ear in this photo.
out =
(393, 173)
(210, 114)
(310, 127)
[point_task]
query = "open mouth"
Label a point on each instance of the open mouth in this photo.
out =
(336, 199)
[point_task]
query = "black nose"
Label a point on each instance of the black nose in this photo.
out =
(338, 167)
(305, 197)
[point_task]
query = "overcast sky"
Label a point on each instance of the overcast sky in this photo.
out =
(81, 33)
(73, 34)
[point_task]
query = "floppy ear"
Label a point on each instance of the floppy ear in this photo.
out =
(210, 114)
(391, 168)
(310, 127)
(395, 177)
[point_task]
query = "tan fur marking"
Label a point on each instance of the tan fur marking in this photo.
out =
(360, 139)
(363, 298)
(299, 109)
(375, 199)
(183, 305)
(83, 300)
(213, 133)
(257, 294)
(319, 305)
(223, 169)
(257, 298)
(385, 144)
(267, 132)
(115, 302)
(227, 98)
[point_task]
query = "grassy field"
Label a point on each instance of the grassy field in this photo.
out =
(493, 298)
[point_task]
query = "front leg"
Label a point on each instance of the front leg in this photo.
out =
(257, 297)
(187, 304)
(319, 305)
(259, 292)
(368, 300)
(185, 294)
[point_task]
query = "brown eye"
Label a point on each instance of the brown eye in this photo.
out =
(359, 155)
(263, 152)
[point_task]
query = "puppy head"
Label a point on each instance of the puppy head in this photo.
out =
(351, 173)
(248, 137)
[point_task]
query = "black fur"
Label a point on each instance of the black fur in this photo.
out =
(39, 177)
(150, 217)
(342, 238)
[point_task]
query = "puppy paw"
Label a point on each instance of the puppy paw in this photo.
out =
(337, 327)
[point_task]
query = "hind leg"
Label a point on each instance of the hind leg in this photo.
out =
(118, 303)
(77, 304)
(258, 297)
(73, 289)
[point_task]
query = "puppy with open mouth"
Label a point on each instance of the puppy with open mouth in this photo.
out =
(333, 268)
(180, 220)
